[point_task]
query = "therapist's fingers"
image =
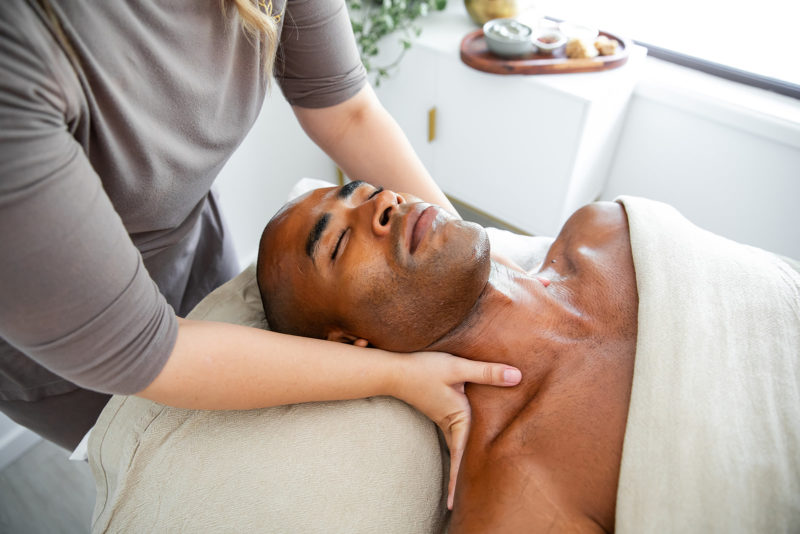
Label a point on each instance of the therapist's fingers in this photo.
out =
(456, 425)
(433, 382)
(492, 374)
(456, 429)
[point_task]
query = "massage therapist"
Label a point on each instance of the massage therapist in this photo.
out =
(115, 119)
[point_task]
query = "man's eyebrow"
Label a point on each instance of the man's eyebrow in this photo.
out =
(316, 232)
(347, 189)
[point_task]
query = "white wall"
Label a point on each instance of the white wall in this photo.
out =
(729, 162)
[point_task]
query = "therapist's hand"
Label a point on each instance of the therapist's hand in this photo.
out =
(433, 382)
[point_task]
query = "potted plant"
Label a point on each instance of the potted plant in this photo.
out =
(373, 20)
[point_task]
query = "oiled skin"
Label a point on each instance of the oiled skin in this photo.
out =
(545, 456)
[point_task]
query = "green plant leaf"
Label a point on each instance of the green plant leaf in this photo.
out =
(373, 20)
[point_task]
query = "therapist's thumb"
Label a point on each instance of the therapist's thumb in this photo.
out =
(495, 374)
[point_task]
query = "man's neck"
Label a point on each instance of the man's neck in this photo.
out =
(518, 320)
(514, 312)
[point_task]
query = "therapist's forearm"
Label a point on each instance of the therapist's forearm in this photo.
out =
(225, 366)
(368, 144)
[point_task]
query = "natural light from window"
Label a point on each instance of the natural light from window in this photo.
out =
(759, 37)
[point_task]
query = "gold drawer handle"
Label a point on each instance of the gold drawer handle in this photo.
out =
(432, 124)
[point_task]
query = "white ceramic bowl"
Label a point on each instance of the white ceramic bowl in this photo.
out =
(508, 37)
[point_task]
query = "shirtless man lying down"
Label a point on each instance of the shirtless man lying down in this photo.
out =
(363, 265)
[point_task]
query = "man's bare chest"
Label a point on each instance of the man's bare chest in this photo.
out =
(560, 451)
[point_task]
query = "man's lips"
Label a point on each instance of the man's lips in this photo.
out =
(419, 222)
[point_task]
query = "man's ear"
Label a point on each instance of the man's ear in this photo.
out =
(340, 336)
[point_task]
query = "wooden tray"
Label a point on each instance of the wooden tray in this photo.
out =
(475, 53)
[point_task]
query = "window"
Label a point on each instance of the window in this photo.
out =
(752, 42)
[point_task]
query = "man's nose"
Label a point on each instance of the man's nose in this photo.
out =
(384, 204)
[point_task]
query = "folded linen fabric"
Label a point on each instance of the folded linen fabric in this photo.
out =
(712, 442)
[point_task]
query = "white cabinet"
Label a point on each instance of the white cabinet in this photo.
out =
(528, 150)
(500, 151)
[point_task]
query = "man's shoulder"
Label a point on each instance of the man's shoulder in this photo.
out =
(599, 215)
(592, 232)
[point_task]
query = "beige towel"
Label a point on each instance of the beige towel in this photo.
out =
(713, 435)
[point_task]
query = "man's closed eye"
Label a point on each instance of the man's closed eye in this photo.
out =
(339, 241)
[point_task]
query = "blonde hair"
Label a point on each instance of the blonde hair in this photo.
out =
(259, 23)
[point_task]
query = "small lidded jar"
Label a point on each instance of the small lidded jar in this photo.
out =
(549, 40)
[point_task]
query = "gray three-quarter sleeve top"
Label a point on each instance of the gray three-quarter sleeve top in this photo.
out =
(114, 122)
